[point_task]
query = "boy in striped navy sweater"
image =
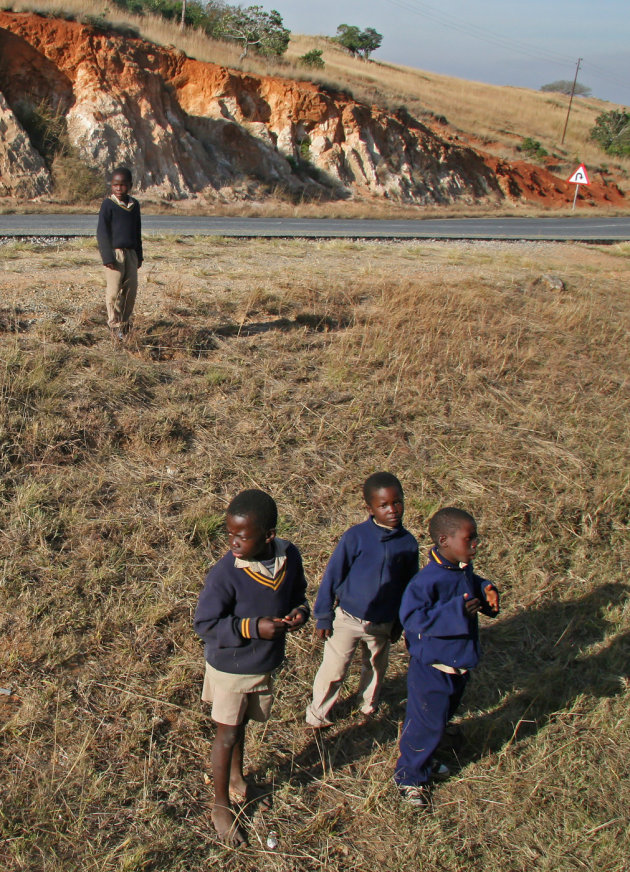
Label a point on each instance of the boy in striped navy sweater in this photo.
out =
(119, 237)
(252, 598)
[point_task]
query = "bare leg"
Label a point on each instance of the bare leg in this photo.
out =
(238, 785)
(223, 817)
(240, 790)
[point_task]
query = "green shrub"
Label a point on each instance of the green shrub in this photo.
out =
(313, 59)
(532, 148)
(612, 131)
(74, 180)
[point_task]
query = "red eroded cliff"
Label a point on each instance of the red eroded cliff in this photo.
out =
(189, 128)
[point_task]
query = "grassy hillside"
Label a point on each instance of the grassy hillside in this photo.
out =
(300, 367)
(493, 118)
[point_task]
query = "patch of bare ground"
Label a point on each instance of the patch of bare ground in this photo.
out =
(300, 367)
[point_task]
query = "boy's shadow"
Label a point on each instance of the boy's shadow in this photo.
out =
(531, 667)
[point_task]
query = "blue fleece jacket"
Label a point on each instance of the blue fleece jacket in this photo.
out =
(231, 602)
(367, 574)
(436, 625)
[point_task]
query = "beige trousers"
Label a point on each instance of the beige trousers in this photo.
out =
(347, 633)
(122, 286)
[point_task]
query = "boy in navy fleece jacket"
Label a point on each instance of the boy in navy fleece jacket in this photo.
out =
(359, 597)
(252, 598)
(439, 616)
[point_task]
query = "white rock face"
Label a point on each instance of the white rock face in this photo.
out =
(23, 173)
(193, 129)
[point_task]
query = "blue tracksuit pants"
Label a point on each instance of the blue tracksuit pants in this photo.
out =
(432, 698)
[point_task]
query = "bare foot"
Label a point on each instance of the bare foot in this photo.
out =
(226, 825)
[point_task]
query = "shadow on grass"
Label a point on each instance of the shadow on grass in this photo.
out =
(532, 664)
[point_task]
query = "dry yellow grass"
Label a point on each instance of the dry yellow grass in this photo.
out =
(300, 367)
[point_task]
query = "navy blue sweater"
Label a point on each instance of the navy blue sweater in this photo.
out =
(118, 228)
(367, 574)
(437, 627)
(230, 603)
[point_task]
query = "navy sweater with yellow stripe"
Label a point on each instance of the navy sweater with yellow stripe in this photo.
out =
(231, 602)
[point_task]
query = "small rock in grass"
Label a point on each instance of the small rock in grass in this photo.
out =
(549, 283)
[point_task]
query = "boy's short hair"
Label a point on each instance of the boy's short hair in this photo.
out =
(377, 481)
(446, 521)
(255, 504)
(123, 171)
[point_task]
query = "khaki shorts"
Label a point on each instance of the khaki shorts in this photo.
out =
(236, 698)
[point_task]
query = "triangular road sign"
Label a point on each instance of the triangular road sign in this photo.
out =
(580, 176)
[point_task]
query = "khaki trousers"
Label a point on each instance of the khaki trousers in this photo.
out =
(347, 633)
(122, 286)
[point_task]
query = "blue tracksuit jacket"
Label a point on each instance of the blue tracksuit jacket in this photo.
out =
(437, 627)
(367, 574)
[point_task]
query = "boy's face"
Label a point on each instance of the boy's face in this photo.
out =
(387, 506)
(247, 540)
(120, 186)
(460, 546)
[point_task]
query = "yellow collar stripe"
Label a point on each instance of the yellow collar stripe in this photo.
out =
(273, 583)
(436, 558)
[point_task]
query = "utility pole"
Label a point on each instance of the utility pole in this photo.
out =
(571, 100)
(183, 21)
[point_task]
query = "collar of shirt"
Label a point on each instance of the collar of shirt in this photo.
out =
(128, 206)
(436, 557)
(280, 551)
(391, 530)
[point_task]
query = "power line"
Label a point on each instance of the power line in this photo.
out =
(424, 10)
(473, 31)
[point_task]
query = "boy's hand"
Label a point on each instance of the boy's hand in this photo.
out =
(271, 628)
(492, 598)
(471, 605)
(110, 265)
(294, 620)
(323, 634)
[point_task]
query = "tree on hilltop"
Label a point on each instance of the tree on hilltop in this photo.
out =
(563, 86)
(349, 36)
(370, 40)
(254, 27)
(357, 41)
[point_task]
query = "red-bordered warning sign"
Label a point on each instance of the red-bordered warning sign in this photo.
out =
(580, 176)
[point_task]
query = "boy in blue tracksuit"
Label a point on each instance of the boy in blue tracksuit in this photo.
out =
(439, 616)
(359, 597)
(251, 599)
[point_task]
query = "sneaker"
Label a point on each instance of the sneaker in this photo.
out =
(439, 770)
(418, 795)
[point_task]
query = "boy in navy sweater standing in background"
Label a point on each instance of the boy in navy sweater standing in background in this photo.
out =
(120, 244)
(252, 598)
(439, 616)
(359, 597)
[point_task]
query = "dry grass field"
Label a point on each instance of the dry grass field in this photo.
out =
(300, 367)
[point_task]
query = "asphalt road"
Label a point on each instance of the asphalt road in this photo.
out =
(576, 228)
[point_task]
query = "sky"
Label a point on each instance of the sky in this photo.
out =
(502, 42)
